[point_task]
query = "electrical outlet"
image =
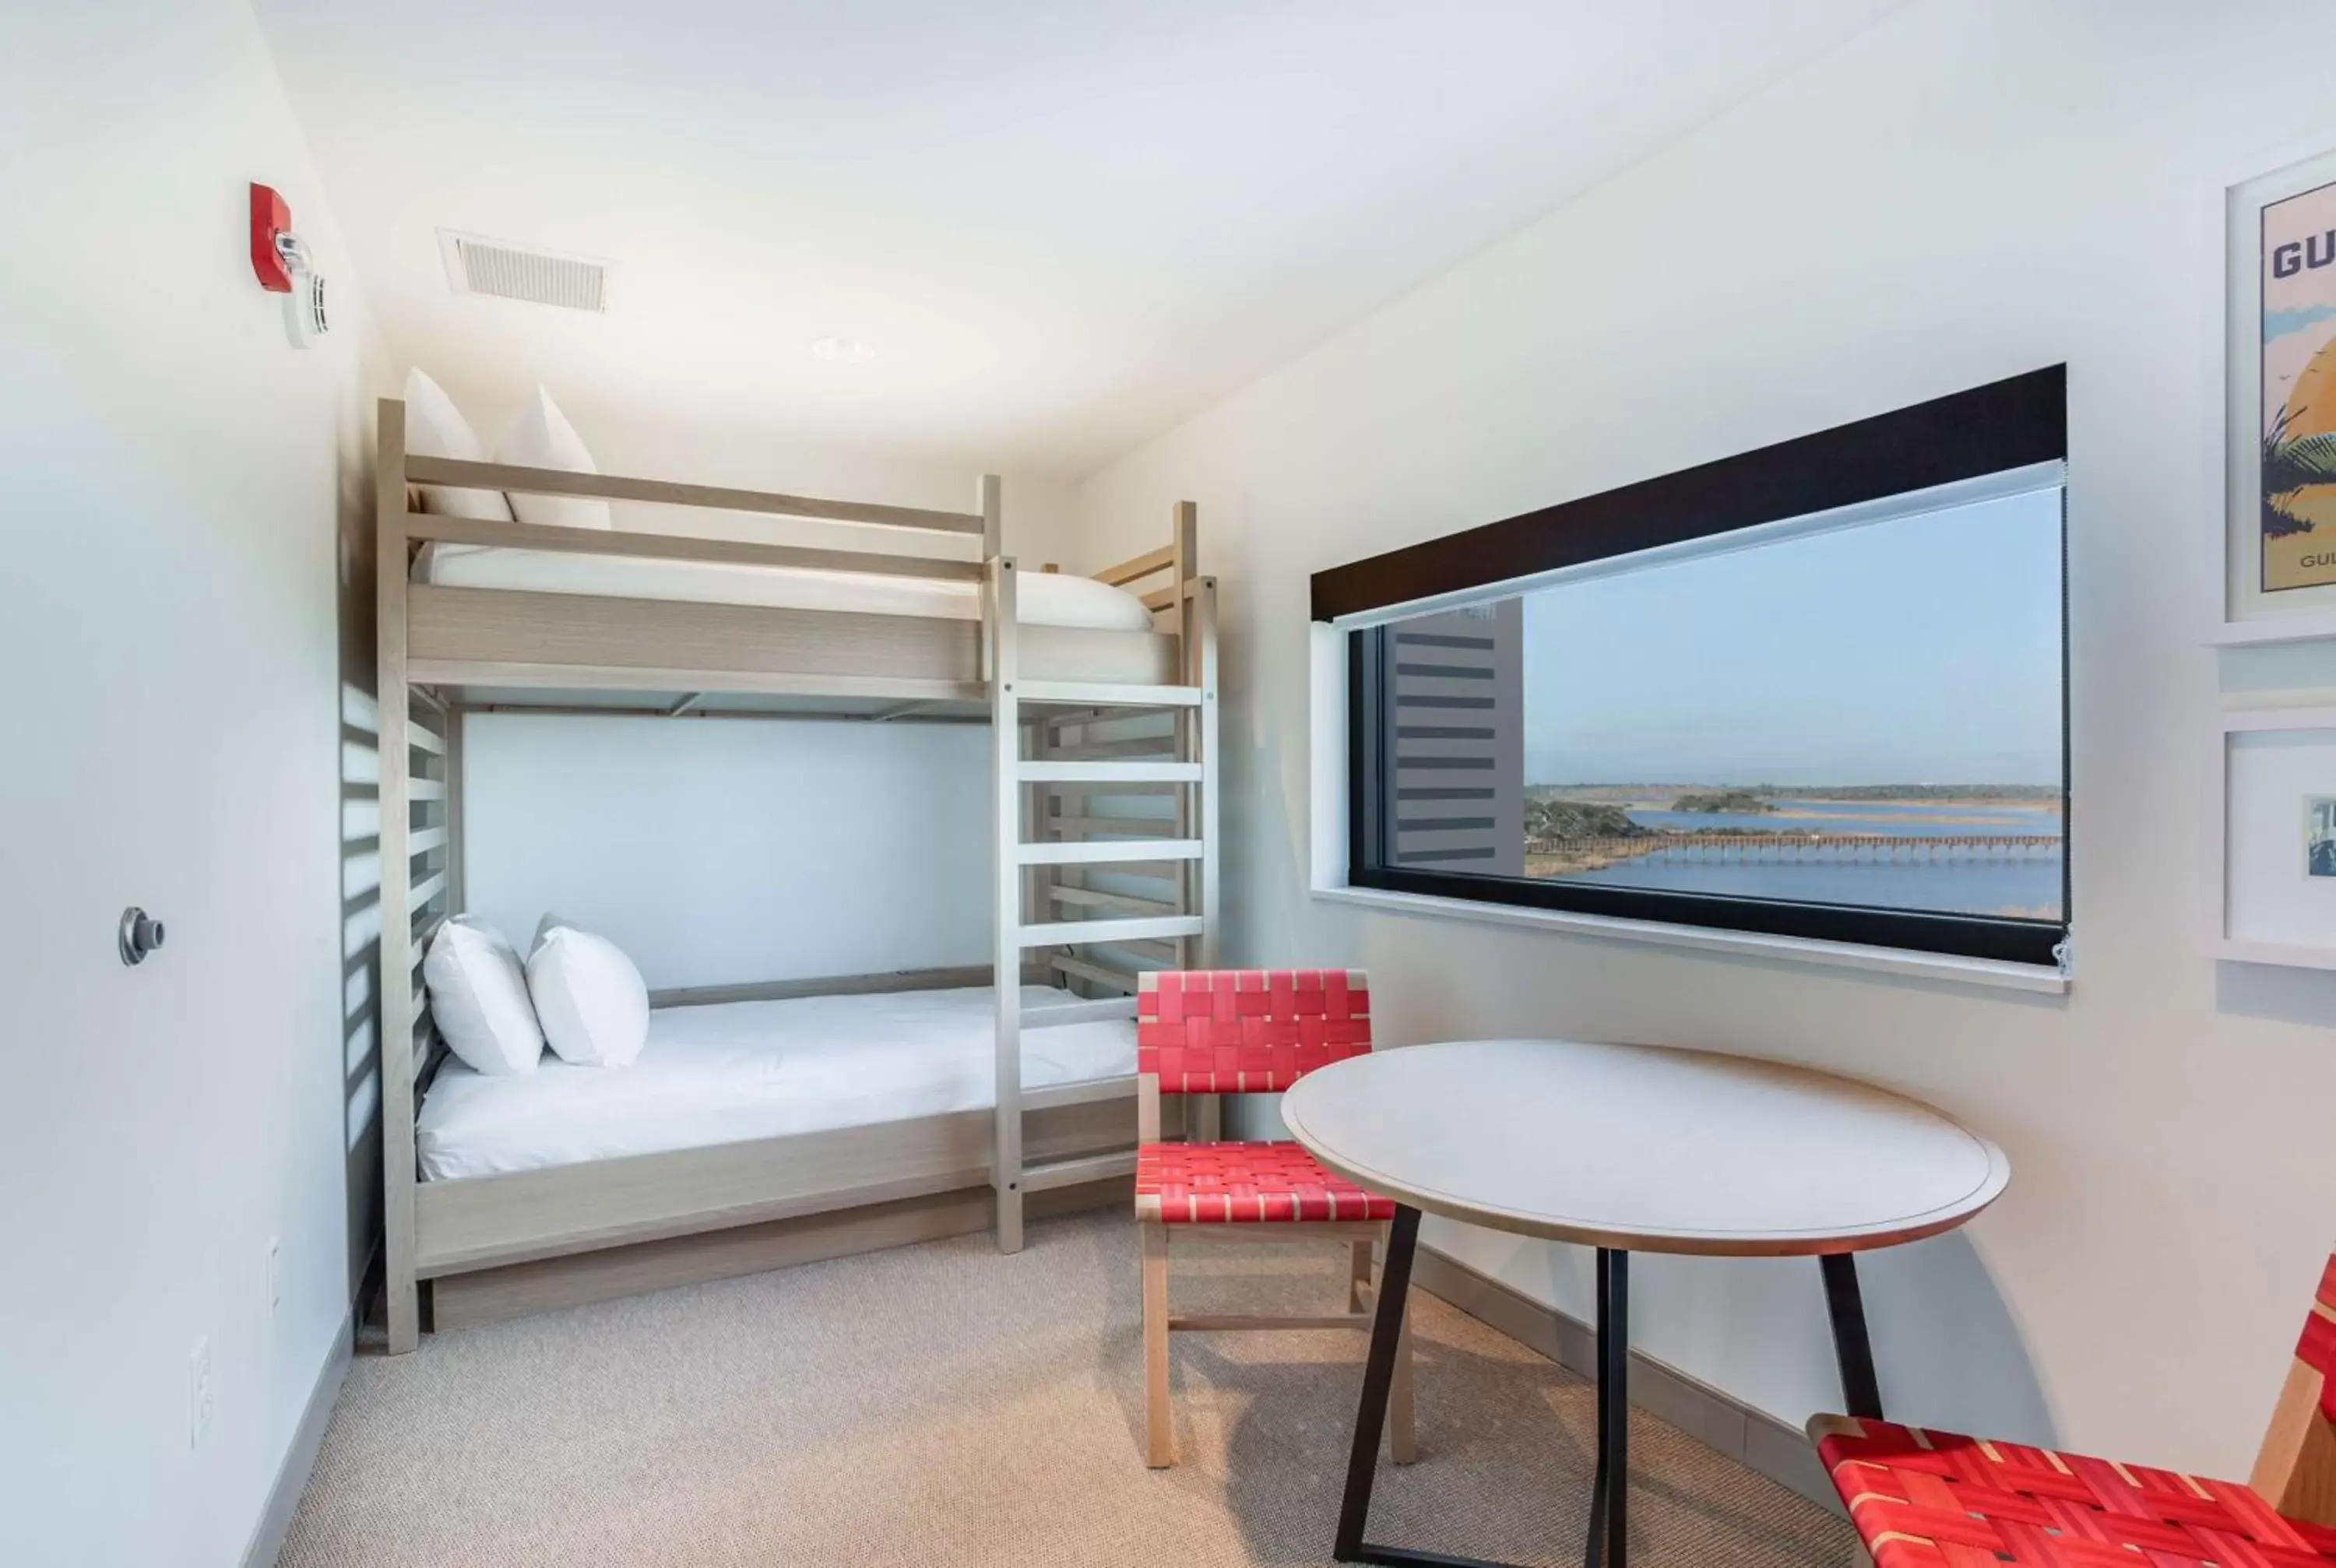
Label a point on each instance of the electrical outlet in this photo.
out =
(274, 1276)
(200, 1403)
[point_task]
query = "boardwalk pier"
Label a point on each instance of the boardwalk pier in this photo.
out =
(1837, 848)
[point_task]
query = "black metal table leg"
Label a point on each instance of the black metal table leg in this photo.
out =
(1598, 1477)
(1606, 1506)
(1379, 1375)
(1371, 1421)
(1609, 1489)
(1860, 1391)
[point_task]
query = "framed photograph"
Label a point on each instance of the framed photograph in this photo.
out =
(2282, 395)
(2273, 802)
(2319, 836)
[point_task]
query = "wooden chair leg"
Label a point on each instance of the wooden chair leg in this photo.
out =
(1358, 1288)
(1159, 1427)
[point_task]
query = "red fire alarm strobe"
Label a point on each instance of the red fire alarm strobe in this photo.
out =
(269, 219)
(283, 267)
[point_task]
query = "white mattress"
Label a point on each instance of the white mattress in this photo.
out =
(717, 1075)
(1041, 599)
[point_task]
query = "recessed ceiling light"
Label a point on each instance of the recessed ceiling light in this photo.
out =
(843, 350)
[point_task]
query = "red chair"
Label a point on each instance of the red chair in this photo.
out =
(1248, 1031)
(1938, 1500)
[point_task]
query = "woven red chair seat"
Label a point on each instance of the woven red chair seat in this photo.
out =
(1245, 1183)
(1925, 1499)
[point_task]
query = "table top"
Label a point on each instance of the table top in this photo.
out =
(1644, 1148)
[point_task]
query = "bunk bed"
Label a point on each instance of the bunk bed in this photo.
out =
(1100, 697)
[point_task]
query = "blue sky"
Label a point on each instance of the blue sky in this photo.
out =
(2277, 323)
(1921, 650)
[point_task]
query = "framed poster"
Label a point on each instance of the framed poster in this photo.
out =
(2281, 365)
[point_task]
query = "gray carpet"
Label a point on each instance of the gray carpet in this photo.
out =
(942, 1404)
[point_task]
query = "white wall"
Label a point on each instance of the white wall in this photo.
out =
(1970, 191)
(175, 474)
(723, 851)
(1040, 505)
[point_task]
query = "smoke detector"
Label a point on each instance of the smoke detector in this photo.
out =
(477, 265)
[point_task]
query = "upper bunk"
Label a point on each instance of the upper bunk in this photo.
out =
(517, 615)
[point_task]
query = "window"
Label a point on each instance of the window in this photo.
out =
(1845, 723)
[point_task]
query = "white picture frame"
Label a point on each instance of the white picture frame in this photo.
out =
(2270, 765)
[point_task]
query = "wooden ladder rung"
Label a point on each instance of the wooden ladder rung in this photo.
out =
(1078, 933)
(1137, 748)
(1043, 771)
(1098, 694)
(1079, 969)
(1205, 1323)
(423, 891)
(1053, 1174)
(1125, 903)
(1107, 851)
(1148, 827)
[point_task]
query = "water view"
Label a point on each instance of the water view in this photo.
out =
(1866, 716)
(1978, 850)
(1869, 718)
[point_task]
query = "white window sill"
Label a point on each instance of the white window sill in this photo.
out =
(1989, 973)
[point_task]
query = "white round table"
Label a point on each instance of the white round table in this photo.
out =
(1632, 1148)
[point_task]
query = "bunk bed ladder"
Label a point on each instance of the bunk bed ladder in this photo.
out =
(1106, 838)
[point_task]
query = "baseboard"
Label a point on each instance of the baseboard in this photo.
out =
(1753, 1438)
(490, 1295)
(300, 1460)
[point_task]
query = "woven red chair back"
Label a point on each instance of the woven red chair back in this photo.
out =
(1248, 1031)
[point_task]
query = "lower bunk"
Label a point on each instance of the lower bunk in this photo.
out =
(753, 1134)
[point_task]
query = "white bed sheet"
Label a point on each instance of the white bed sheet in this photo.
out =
(1042, 598)
(717, 1075)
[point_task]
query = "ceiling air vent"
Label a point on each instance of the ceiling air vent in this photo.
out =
(476, 265)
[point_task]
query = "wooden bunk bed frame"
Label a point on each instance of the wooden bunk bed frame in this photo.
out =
(1103, 774)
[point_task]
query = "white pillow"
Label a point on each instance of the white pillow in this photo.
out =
(541, 437)
(478, 995)
(434, 427)
(594, 1005)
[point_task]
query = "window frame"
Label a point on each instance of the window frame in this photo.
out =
(1953, 440)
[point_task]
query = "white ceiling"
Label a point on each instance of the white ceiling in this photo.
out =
(1062, 225)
